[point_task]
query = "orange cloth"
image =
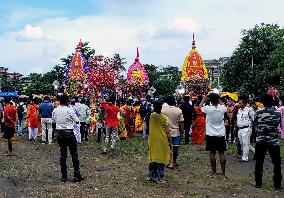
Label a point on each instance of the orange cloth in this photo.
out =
(33, 116)
(198, 128)
(138, 119)
(129, 116)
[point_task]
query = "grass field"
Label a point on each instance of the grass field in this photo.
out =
(34, 172)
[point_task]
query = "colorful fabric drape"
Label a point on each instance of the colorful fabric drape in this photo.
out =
(198, 128)
(78, 68)
(281, 126)
(129, 116)
(138, 120)
(122, 133)
(137, 73)
(194, 67)
(159, 150)
(33, 116)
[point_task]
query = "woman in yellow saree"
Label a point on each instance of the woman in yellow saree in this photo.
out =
(138, 119)
(122, 133)
(159, 142)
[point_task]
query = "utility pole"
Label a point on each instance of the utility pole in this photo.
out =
(252, 73)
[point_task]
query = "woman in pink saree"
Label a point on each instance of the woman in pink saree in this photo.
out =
(281, 109)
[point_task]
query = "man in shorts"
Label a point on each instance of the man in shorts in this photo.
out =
(215, 130)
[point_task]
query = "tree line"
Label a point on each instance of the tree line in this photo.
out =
(258, 61)
(255, 65)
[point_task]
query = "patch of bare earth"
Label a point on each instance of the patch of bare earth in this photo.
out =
(34, 171)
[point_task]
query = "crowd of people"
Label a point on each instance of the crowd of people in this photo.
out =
(219, 121)
(164, 123)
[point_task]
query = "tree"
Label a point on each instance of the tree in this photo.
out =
(249, 69)
(165, 80)
(277, 58)
(105, 72)
(43, 83)
(168, 80)
(152, 71)
(11, 84)
(35, 84)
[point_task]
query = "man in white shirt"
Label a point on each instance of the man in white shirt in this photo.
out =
(245, 118)
(84, 116)
(215, 130)
(77, 132)
(65, 118)
(176, 123)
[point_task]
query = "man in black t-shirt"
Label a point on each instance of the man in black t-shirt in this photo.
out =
(146, 110)
(21, 120)
(188, 115)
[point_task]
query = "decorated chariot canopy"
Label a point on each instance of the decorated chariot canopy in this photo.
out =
(194, 67)
(137, 74)
(101, 74)
(77, 70)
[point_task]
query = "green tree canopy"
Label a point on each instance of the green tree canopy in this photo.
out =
(250, 69)
(164, 80)
(277, 59)
(10, 84)
(152, 71)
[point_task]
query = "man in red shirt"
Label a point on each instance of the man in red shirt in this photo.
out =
(9, 122)
(111, 121)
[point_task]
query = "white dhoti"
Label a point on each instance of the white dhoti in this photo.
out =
(244, 138)
(77, 132)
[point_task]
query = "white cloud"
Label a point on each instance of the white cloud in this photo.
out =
(161, 29)
(186, 24)
(31, 33)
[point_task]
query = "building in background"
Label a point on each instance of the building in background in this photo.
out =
(9, 80)
(14, 75)
(3, 70)
(215, 68)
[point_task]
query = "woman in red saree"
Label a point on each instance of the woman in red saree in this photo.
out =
(129, 118)
(198, 127)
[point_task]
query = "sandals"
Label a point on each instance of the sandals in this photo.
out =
(169, 166)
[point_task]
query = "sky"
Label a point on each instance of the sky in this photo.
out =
(35, 34)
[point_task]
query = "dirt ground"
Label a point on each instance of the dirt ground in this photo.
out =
(34, 171)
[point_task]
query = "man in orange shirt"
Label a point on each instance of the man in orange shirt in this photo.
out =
(9, 122)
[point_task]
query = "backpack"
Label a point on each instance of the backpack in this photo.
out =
(145, 110)
(20, 111)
